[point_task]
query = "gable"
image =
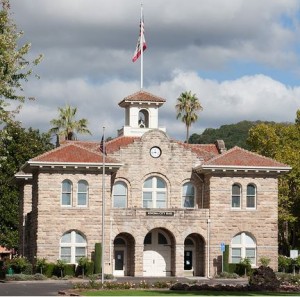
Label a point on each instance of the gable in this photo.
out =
(238, 158)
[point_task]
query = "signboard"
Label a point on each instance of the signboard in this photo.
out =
(160, 213)
(293, 254)
(222, 247)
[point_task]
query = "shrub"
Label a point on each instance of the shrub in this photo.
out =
(59, 268)
(39, 276)
(40, 265)
(284, 263)
(225, 274)
(263, 278)
(264, 261)
(20, 265)
(97, 257)
(69, 270)
(49, 269)
(244, 267)
(3, 269)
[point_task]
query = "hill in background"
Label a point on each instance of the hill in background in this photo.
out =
(233, 134)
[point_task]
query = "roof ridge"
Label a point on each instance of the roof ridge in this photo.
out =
(57, 149)
(246, 151)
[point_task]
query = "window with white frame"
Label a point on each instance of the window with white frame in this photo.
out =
(66, 193)
(236, 196)
(243, 246)
(188, 195)
(82, 193)
(72, 247)
(251, 196)
(154, 193)
(120, 195)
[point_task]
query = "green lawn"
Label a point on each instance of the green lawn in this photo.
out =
(179, 293)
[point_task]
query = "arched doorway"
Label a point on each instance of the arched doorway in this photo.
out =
(158, 255)
(124, 249)
(194, 255)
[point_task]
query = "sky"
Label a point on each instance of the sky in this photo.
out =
(241, 58)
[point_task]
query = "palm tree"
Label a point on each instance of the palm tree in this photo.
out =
(66, 125)
(187, 106)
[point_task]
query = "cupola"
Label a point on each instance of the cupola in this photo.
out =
(141, 113)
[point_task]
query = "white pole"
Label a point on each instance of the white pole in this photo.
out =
(142, 44)
(208, 248)
(103, 207)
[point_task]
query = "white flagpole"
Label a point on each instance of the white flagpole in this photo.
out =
(142, 44)
(103, 207)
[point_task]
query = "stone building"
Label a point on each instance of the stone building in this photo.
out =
(169, 206)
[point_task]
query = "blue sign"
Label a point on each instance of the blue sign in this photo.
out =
(222, 247)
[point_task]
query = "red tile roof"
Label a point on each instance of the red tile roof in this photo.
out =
(205, 151)
(141, 96)
(240, 157)
(72, 153)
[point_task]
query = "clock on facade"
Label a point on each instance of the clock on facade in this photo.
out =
(155, 152)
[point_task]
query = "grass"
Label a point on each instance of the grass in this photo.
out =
(180, 293)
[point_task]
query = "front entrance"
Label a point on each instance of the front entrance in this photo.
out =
(157, 254)
(123, 261)
(119, 263)
(194, 251)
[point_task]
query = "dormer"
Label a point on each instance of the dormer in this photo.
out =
(141, 113)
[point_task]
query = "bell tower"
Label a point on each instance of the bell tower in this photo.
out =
(141, 113)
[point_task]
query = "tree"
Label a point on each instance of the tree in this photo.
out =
(282, 143)
(66, 125)
(187, 106)
(14, 67)
(17, 145)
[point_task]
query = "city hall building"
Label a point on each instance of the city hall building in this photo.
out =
(169, 206)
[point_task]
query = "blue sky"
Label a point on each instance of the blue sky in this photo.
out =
(240, 57)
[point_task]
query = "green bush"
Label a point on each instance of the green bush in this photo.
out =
(243, 268)
(97, 257)
(232, 267)
(88, 269)
(40, 265)
(49, 269)
(226, 274)
(264, 261)
(2, 270)
(284, 264)
(69, 269)
(20, 265)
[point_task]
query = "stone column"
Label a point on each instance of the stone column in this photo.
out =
(179, 260)
(139, 249)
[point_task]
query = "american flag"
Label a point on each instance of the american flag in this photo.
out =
(141, 39)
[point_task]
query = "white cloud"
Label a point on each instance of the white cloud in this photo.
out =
(88, 46)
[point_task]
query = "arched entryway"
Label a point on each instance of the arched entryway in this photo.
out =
(194, 255)
(159, 253)
(124, 249)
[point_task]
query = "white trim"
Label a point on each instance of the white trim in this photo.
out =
(76, 165)
(242, 168)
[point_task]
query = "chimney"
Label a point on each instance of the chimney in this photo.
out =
(220, 144)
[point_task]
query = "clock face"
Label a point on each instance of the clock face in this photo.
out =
(155, 152)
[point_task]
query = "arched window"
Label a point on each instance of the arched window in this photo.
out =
(143, 118)
(66, 193)
(251, 196)
(236, 196)
(82, 193)
(243, 246)
(120, 195)
(72, 247)
(154, 193)
(188, 195)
